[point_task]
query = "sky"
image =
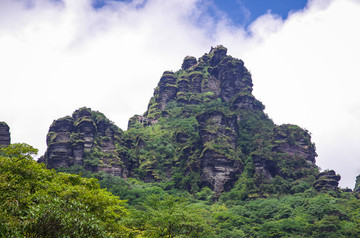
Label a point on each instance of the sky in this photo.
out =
(59, 55)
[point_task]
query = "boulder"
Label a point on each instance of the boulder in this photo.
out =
(188, 62)
(87, 138)
(294, 141)
(327, 180)
(4, 134)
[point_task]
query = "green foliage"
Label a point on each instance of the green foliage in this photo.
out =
(255, 130)
(300, 215)
(206, 194)
(18, 151)
(168, 216)
(162, 154)
(37, 202)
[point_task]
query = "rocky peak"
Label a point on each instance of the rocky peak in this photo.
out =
(4, 134)
(218, 53)
(294, 141)
(87, 138)
(214, 75)
(203, 128)
(188, 62)
(217, 90)
(327, 180)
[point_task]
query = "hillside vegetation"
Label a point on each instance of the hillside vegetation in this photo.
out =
(203, 160)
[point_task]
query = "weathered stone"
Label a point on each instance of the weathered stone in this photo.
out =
(78, 139)
(264, 167)
(294, 141)
(196, 79)
(183, 84)
(327, 180)
(244, 101)
(215, 72)
(227, 79)
(219, 53)
(219, 169)
(167, 89)
(230, 131)
(4, 134)
(219, 172)
(188, 62)
(292, 144)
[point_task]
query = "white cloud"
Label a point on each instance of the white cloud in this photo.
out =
(307, 73)
(57, 57)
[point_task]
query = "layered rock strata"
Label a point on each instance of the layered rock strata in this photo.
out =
(87, 138)
(203, 127)
(327, 180)
(219, 164)
(4, 134)
(218, 77)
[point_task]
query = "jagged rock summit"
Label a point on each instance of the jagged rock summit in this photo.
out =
(327, 180)
(203, 128)
(88, 139)
(4, 134)
(214, 76)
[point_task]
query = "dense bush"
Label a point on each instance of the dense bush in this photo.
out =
(37, 202)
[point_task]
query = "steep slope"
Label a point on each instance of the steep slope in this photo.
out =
(88, 139)
(217, 127)
(203, 128)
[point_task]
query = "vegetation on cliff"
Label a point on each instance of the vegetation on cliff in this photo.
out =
(204, 160)
(38, 202)
(203, 128)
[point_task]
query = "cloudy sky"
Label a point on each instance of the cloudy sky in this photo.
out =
(59, 55)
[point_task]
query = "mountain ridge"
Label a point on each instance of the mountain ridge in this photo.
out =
(202, 128)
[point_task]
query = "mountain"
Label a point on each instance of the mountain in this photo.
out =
(203, 128)
(88, 139)
(204, 160)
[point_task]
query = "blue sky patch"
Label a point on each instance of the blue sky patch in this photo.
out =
(243, 12)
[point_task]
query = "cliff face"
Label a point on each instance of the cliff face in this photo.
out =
(202, 128)
(88, 139)
(327, 180)
(230, 125)
(219, 166)
(4, 134)
(213, 76)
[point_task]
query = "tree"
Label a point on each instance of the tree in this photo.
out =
(169, 216)
(38, 202)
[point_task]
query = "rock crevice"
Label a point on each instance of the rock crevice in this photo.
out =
(87, 138)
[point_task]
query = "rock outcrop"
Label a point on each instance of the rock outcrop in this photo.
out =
(218, 78)
(217, 90)
(214, 75)
(203, 128)
(88, 139)
(4, 134)
(327, 180)
(294, 141)
(219, 163)
(290, 146)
